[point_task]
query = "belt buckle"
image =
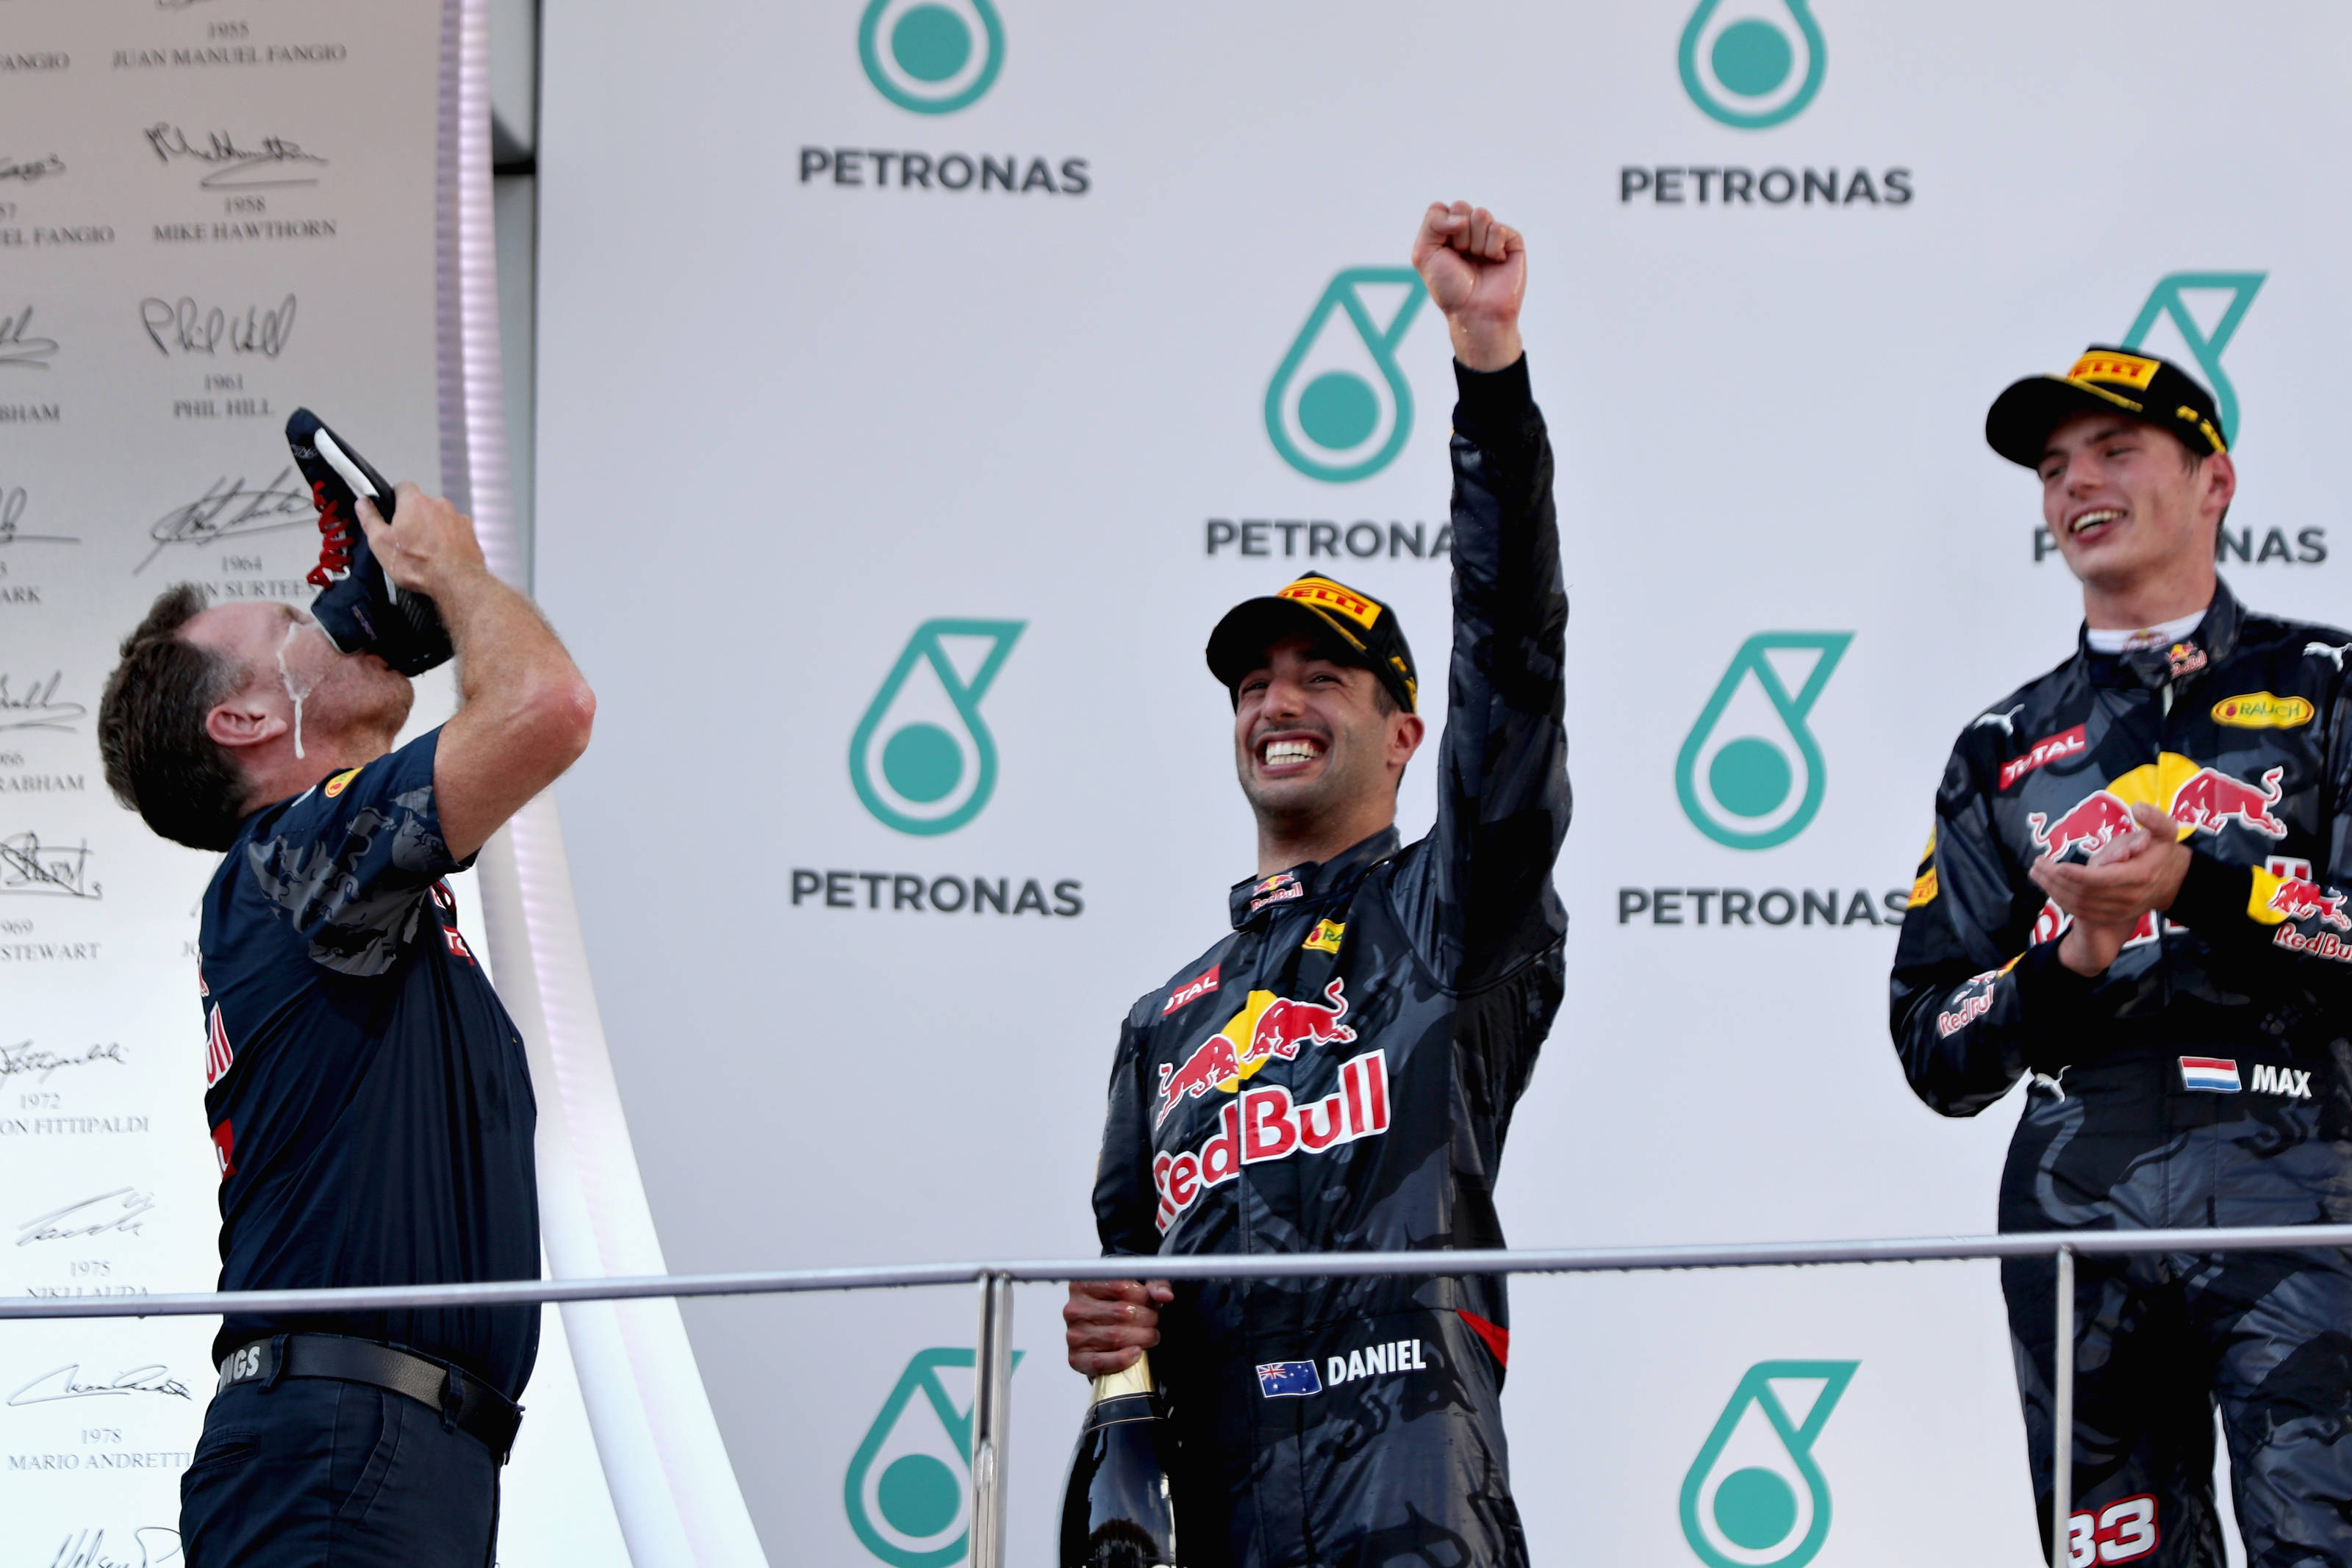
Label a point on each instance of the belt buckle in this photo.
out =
(245, 1364)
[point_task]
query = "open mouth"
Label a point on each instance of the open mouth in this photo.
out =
(1284, 754)
(2095, 524)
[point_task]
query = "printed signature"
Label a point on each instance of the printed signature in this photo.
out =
(65, 1382)
(38, 708)
(19, 347)
(234, 168)
(108, 1212)
(230, 507)
(39, 169)
(184, 325)
(27, 866)
(26, 1057)
(12, 512)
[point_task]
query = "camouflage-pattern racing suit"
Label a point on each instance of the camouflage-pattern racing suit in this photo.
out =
(2205, 1079)
(1339, 1073)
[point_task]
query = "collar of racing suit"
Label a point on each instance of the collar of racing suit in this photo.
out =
(1260, 897)
(2152, 669)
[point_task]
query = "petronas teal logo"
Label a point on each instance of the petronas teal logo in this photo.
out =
(1339, 408)
(909, 1484)
(1754, 1498)
(1750, 774)
(933, 57)
(1752, 64)
(2204, 346)
(922, 760)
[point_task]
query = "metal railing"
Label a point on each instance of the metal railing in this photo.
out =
(992, 1370)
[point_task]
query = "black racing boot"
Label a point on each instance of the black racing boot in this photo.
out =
(359, 609)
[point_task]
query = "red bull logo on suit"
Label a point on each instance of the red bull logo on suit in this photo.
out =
(1267, 1026)
(2202, 799)
(1265, 1124)
(2301, 900)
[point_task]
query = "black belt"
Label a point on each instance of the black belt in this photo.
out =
(461, 1400)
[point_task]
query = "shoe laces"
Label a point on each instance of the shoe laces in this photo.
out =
(334, 539)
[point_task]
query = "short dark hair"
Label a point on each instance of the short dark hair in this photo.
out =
(160, 760)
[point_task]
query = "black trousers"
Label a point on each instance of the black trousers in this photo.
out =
(2164, 1340)
(316, 1473)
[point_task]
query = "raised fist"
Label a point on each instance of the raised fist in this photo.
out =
(1477, 271)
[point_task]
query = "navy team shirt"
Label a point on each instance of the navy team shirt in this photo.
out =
(369, 1098)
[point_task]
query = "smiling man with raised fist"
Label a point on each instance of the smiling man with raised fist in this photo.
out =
(1336, 1071)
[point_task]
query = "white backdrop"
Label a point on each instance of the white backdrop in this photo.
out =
(207, 217)
(798, 404)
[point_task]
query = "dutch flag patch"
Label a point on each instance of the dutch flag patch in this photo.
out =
(2212, 1075)
(1289, 1379)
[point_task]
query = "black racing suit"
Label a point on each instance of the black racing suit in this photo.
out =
(1338, 1073)
(2205, 1079)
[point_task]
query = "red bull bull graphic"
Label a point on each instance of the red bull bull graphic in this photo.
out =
(1265, 1124)
(2052, 922)
(2211, 801)
(1267, 1026)
(2299, 901)
(2202, 799)
(2098, 821)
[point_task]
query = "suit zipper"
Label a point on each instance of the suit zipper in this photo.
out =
(2163, 934)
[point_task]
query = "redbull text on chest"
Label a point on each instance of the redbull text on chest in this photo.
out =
(1265, 1124)
(1267, 1026)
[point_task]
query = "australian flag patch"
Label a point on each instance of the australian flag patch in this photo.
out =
(1289, 1379)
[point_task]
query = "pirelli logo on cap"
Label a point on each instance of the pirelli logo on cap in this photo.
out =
(2131, 369)
(1322, 593)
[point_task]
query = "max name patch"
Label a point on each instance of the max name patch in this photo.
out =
(2218, 1075)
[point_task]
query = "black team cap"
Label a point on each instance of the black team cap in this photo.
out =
(1357, 627)
(2104, 380)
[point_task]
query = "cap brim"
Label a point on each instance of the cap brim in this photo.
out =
(1238, 645)
(2019, 423)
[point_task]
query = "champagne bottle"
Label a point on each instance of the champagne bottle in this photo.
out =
(1119, 1511)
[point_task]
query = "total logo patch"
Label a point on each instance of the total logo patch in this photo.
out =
(2261, 710)
(2050, 748)
(1192, 990)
